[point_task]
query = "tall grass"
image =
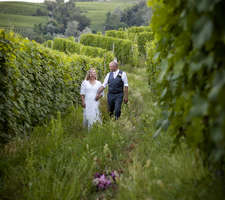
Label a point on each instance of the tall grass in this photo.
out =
(59, 160)
(157, 173)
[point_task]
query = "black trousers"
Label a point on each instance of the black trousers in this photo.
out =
(114, 104)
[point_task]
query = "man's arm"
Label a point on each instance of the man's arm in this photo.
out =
(125, 81)
(100, 90)
(125, 94)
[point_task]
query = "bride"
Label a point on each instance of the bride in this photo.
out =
(88, 91)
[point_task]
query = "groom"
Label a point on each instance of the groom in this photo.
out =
(117, 91)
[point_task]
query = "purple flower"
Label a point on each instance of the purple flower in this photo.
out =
(113, 175)
(101, 186)
(97, 175)
(102, 177)
(103, 181)
(108, 182)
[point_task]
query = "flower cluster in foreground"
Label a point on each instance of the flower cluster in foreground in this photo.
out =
(104, 181)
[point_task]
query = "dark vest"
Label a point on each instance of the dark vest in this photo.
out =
(115, 85)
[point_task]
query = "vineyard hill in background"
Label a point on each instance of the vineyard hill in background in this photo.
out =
(21, 14)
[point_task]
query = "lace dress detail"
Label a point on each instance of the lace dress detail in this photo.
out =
(91, 112)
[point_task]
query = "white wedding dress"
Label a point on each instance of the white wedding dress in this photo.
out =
(91, 112)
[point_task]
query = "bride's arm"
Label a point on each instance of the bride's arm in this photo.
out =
(82, 94)
(83, 101)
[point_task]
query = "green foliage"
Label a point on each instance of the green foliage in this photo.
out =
(20, 8)
(63, 17)
(113, 20)
(36, 82)
(49, 44)
(94, 52)
(156, 173)
(122, 49)
(11, 20)
(138, 29)
(97, 11)
(116, 34)
(136, 15)
(152, 62)
(189, 41)
(139, 35)
(135, 30)
(68, 46)
(142, 39)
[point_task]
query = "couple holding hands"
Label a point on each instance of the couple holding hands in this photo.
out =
(92, 90)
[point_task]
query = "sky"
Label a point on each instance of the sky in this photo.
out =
(33, 1)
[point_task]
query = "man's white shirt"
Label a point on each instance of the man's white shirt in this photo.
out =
(124, 78)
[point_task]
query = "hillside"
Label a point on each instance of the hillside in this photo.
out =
(97, 11)
(19, 8)
(20, 14)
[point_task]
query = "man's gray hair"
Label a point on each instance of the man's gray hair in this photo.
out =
(114, 63)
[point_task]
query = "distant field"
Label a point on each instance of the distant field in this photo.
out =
(97, 11)
(20, 13)
(19, 8)
(7, 20)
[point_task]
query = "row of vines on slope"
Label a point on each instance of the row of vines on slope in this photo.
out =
(68, 46)
(129, 33)
(35, 82)
(122, 49)
(187, 60)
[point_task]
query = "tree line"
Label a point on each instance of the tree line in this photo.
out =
(137, 15)
(64, 18)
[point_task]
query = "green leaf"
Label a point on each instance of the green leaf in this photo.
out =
(204, 29)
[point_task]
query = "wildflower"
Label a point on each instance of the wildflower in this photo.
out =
(103, 181)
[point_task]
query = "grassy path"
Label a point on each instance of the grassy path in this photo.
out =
(58, 161)
(154, 171)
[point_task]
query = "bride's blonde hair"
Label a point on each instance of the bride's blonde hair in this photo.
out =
(89, 72)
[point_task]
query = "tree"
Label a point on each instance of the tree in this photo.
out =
(137, 15)
(62, 19)
(86, 30)
(72, 29)
(113, 20)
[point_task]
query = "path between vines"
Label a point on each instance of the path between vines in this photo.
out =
(134, 119)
